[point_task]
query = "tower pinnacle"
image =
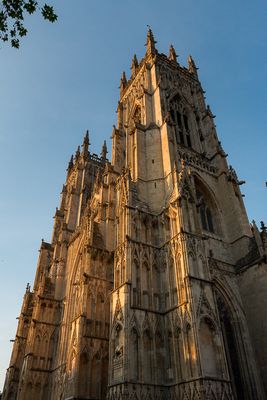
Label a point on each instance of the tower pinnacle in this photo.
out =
(78, 152)
(134, 65)
(86, 143)
(123, 82)
(150, 42)
(192, 66)
(172, 54)
(104, 151)
(70, 166)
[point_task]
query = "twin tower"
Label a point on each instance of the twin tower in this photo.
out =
(154, 285)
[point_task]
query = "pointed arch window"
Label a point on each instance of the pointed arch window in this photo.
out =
(206, 212)
(181, 122)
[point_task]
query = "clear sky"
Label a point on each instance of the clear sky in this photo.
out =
(64, 79)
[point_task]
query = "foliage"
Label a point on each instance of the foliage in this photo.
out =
(12, 14)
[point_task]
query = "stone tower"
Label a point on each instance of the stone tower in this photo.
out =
(154, 284)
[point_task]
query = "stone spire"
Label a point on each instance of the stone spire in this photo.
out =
(123, 83)
(134, 65)
(104, 151)
(150, 43)
(172, 54)
(192, 66)
(86, 144)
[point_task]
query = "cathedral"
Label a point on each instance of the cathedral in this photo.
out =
(154, 284)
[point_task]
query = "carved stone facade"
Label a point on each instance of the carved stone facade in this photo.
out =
(154, 285)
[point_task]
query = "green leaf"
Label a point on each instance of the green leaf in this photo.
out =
(48, 13)
(30, 6)
(12, 14)
(15, 43)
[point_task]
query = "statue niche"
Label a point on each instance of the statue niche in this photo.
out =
(117, 351)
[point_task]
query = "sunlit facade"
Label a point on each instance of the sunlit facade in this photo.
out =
(154, 285)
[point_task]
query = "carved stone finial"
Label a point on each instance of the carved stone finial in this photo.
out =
(86, 143)
(123, 82)
(134, 65)
(172, 54)
(192, 66)
(86, 138)
(104, 151)
(77, 154)
(150, 42)
(70, 166)
(263, 227)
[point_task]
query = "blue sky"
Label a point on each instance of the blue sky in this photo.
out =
(64, 79)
